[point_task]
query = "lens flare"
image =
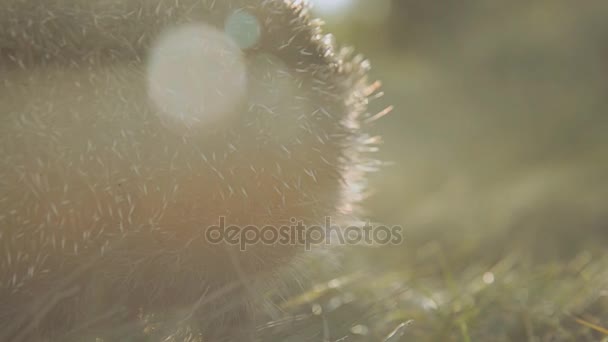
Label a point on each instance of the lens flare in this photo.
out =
(331, 6)
(196, 75)
(244, 28)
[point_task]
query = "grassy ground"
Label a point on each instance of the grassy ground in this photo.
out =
(543, 276)
(440, 299)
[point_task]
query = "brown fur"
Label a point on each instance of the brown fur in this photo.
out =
(103, 207)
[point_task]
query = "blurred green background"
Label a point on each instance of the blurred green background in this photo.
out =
(496, 165)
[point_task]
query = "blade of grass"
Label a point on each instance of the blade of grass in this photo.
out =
(591, 326)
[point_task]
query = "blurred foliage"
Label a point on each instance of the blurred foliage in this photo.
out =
(497, 167)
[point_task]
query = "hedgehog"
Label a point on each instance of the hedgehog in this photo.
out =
(130, 127)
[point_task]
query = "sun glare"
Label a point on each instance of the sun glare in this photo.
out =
(331, 6)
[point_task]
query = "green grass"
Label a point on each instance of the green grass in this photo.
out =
(445, 297)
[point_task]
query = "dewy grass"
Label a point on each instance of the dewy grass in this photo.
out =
(565, 300)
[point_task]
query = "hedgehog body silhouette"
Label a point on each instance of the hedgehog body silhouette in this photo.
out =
(129, 127)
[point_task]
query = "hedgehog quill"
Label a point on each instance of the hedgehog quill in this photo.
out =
(130, 126)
